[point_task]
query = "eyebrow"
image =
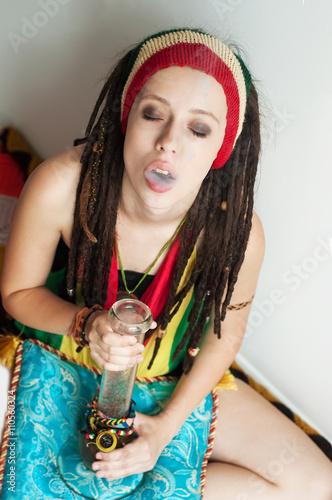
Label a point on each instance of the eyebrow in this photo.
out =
(193, 111)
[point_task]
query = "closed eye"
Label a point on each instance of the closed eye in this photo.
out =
(151, 113)
(151, 118)
(199, 134)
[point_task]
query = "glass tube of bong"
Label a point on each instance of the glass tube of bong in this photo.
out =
(127, 317)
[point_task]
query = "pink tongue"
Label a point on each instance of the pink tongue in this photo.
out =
(160, 179)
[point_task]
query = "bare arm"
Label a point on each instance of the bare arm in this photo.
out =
(44, 213)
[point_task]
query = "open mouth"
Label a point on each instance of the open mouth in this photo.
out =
(163, 174)
(159, 179)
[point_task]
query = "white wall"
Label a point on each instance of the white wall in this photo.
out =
(49, 83)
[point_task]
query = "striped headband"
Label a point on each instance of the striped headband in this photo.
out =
(187, 47)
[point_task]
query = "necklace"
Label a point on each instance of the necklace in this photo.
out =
(164, 248)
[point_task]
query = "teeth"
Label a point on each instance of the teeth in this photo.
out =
(164, 172)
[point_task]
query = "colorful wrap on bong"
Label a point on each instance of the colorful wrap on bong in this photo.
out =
(105, 433)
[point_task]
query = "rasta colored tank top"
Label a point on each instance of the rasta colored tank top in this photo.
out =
(163, 364)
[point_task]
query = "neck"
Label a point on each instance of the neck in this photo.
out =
(139, 211)
(151, 217)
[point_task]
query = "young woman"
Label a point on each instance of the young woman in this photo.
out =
(157, 200)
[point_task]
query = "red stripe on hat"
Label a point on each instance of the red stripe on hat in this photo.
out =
(201, 57)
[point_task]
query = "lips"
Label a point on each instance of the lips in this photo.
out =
(162, 167)
(160, 176)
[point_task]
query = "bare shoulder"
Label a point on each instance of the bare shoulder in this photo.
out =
(46, 205)
(57, 177)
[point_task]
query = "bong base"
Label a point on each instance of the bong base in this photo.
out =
(104, 434)
(80, 479)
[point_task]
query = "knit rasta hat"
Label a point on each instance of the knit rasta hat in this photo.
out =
(188, 47)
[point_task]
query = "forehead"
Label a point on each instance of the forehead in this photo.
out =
(184, 83)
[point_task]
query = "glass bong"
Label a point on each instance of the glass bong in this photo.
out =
(110, 419)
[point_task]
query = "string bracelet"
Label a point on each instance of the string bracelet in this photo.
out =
(77, 329)
(121, 426)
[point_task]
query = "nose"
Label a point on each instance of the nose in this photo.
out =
(167, 139)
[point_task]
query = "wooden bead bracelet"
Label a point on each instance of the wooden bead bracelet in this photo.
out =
(77, 328)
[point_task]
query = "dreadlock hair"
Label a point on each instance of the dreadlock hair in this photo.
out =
(223, 233)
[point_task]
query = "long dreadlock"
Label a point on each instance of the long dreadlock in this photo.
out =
(224, 233)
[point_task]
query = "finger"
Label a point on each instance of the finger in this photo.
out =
(108, 337)
(114, 350)
(111, 351)
(123, 472)
(101, 328)
(115, 339)
(118, 365)
(115, 363)
(127, 455)
(111, 474)
(113, 343)
(113, 466)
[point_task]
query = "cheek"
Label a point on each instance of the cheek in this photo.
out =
(136, 140)
(203, 152)
(126, 149)
(130, 142)
(131, 145)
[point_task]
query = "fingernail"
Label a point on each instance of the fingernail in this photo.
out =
(141, 348)
(132, 341)
(95, 466)
(139, 359)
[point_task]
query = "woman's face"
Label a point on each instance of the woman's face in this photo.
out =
(175, 129)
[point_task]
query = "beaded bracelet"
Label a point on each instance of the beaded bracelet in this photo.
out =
(77, 329)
